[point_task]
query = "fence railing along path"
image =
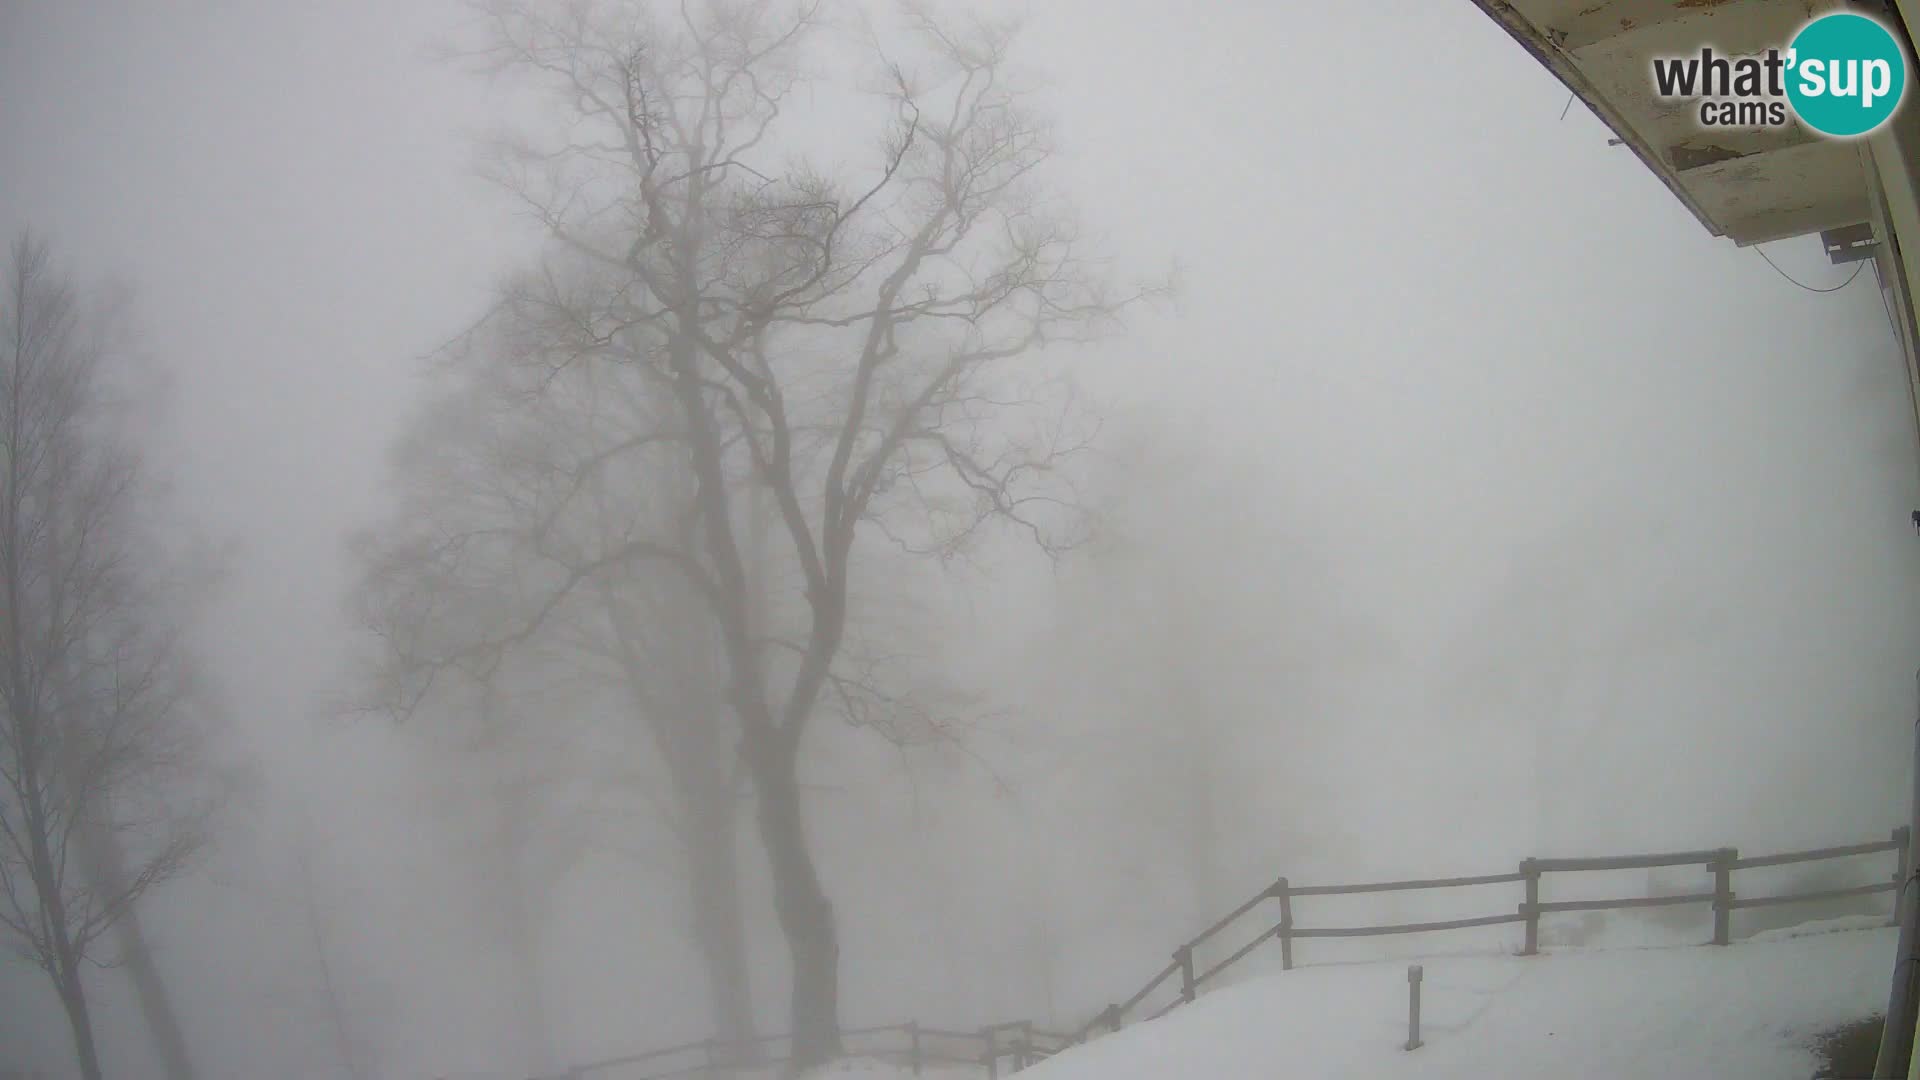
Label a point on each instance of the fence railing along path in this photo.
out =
(1014, 1045)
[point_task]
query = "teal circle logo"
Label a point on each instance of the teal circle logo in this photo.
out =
(1846, 74)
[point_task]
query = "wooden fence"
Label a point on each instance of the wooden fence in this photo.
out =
(1015, 1045)
(1721, 863)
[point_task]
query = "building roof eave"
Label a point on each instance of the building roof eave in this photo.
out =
(1749, 185)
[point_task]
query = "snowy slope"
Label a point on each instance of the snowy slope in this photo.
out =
(1743, 1011)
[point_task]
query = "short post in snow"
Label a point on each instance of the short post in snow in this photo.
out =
(1414, 975)
(1113, 1017)
(1901, 873)
(1184, 957)
(1285, 895)
(1723, 861)
(991, 1058)
(915, 1057)
(1530, 908)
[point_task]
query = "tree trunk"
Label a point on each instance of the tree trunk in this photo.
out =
(806, 915)
(63, 959)
(521, 917)
(74, 999)
(156, 1006)
(722, 927)
(343, 1046)
(673, 699)
(530, 999)
(771, 749)
(719, 925)
(105, 865)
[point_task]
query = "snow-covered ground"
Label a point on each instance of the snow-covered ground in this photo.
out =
(879, 1070)
(1747, 1011)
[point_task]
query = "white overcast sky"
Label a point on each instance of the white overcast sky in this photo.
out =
(1452, 326)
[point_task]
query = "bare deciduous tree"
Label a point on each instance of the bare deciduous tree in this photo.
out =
(854, 350)
(94, 681)
(508, 490)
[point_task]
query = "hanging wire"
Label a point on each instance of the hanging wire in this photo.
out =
(1810, 288)
(1568, 108)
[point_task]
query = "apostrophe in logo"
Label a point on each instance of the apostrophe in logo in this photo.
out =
(1846, 74)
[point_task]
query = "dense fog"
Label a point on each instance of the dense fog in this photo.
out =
(1358, 470)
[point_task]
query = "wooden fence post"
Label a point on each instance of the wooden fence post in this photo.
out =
(1901, 836)
(1414, 974)
(1023, 1047)
(1281, 890)
(991, 1059)
(1184, 957)
(1530, 907)
(1723, 862)
(913, 1046)
(1113, 1018)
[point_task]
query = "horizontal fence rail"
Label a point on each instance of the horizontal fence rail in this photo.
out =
(1626, 862)
(1823, 894)
(1403, 886)
(1405, 928)
(1016, 1044)
(1816, 854)
(1635, 902)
